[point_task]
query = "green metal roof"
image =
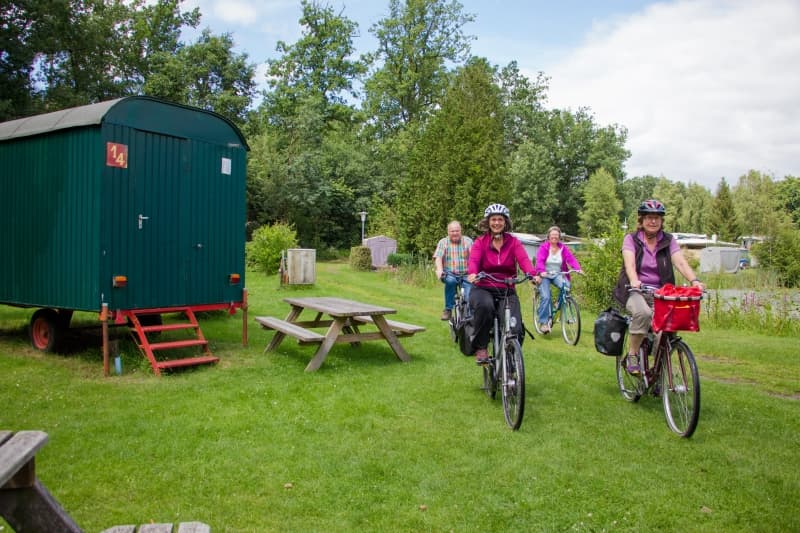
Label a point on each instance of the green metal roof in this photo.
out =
(92, 115)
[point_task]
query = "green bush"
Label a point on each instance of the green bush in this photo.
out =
(360, 258)
(396, 260)
(601, 264)
(264, 251)
(781, 255)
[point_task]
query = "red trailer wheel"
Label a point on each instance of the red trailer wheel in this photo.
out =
(45, 330)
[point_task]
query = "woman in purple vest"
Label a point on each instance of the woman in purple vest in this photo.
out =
(648, 256)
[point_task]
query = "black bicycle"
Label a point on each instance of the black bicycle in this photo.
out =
(667, 369)
(505, 368)
(460, 311)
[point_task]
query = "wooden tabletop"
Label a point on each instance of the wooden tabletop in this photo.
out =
(339, 307)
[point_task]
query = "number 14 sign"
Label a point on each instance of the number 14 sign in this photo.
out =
(117, 155)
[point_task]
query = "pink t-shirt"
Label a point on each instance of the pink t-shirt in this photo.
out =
(648, 273)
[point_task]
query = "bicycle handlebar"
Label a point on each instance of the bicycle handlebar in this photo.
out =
(553, 274)
(506, 281)
(458, 277)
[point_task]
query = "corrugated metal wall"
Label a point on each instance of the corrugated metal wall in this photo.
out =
(71, 222)
(49, 200)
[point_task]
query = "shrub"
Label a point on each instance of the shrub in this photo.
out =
(396, 260)
(602, 263)
(264, 251)
(360, 258)
(781, 255)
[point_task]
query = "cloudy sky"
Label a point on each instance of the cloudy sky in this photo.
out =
(706, 88)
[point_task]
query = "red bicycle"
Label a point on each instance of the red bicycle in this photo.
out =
(668, 369)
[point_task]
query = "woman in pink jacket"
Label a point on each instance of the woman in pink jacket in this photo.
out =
(499, 253)
(553, 258)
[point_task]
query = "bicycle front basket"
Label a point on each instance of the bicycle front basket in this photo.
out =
(676, 308)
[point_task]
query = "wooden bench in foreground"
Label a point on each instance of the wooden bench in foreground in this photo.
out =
(28, 506)
(183, 527)
(24, 502)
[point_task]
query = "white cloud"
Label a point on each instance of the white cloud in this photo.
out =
(707, 89)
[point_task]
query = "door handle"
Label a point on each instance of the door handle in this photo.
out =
(141, 219)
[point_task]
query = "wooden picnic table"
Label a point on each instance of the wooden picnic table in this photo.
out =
(24, 502)
(343, 320)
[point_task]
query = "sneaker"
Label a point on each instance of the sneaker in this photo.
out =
(544, 328)
(446, 314)
(632, 365)
(481, 356)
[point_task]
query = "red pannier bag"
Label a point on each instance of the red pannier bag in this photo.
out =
(676, 308)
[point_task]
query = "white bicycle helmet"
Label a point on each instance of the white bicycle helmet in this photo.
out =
(497, 209)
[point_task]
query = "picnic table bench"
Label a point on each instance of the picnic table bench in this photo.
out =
(24, 502)
(343, 320)
(28, 506)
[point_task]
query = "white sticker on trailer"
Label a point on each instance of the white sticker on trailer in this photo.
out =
(226, 166)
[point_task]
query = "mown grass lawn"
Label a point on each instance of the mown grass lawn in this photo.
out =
(369, 443)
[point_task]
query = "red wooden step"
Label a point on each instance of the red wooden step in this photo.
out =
(189, 361)
(168, 327)
(177, 344)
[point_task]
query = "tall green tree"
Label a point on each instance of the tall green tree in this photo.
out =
(757, 206)
(789, 197)
(574, 147)
(315, 172)
(320, 63)
(103, 49)
(415, 42)
(696, 209)
(671, 194)
(601, 206)
(633, 192)
(722, 216)
(457, 165)
(28, 29)
(206, 74)
(524, 104)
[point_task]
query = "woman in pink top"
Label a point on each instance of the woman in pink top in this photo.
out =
(553, 258)
(499, 253)
(648, 257)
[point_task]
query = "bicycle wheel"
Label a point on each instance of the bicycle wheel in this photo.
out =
(536, 298)
(455, 320)
(680, 390)
(630, 386)
(513, 383)
(570, 321)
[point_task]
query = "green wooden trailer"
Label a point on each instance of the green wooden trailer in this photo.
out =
(130, 208)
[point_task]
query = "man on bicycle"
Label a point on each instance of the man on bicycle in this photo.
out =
(499, 253)
(452, 254)
(553, 258)
(648, 256)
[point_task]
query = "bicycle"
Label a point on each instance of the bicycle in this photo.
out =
(460, 311)
(673, 375)
(505, 367)
(564, 308)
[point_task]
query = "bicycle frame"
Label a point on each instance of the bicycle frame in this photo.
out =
(667, 369)
(506, 361)
(564, 309)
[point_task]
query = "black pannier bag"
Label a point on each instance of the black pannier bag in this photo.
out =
(466, 332)
(609, 332)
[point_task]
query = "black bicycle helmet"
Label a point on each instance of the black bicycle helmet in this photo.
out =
(652, 207)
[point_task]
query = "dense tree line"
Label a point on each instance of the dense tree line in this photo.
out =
(416, 132)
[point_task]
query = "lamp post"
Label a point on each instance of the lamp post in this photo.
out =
(363, 219)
